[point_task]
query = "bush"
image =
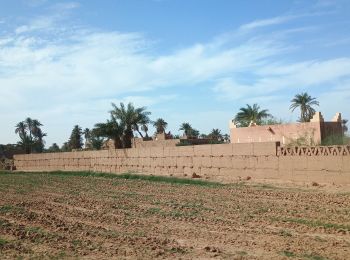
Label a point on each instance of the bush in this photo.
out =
(336, 140)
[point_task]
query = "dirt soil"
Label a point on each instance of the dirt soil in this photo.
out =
(52, 216)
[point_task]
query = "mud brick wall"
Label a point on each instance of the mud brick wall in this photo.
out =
(139, 143)
(220, 162)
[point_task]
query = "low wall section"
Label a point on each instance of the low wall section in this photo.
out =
(219, 162)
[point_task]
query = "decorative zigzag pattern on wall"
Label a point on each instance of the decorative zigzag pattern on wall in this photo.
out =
(341, 150)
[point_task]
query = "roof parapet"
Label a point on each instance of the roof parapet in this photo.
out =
(317, 117)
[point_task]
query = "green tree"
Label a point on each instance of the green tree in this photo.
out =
(187, 128)
(22, 131)
(31, 135)
(110, 130)
(38, 136)
(194, 133)
(96, 142)
(131, 119)
(215, 134)
(144, 128)
(271, 121)
(54, 148)
(305, 103)
(65, 147)
(160, 125)
(226, 138)
(251, 114)
(39, 142)
(87, 137)
(189, 131)
(76, 140)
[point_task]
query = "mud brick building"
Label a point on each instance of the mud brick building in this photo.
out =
(314, 132)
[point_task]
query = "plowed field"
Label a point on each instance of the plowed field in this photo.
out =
(69, 216)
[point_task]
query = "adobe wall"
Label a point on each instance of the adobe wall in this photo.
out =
(283, 133)
(139, 143)
(313, 132)
(220, 162)
(331, 128)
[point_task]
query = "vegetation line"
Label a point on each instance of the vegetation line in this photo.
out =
(314, 223)
(126, 176)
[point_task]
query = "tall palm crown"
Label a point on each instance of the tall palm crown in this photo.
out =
(87, 133)
(112, 130)
(187, 128)
(35, 127)
(160, 125)
(31, 135)
(131, 118)
(215, 134)
(305, 102)
(250, 114)
(21, 129)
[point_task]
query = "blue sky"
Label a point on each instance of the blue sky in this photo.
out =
(197, 61)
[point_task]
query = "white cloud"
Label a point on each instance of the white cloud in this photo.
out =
(277, 77)
(267, 22)
(65, 6)
(41, 23)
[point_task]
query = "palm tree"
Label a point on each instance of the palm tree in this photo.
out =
(160, 125)
(187, 128)
(39, 142)
(144, 128)
(87, 137)
(87, 133)
(251, 114)
(37, 134)
(215, 134)
(131, 118)
(111, 130)
(226, 138)
(31, 135)
(21, 129)
(30, 126)
(305, 102)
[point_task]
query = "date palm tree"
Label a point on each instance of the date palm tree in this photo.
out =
(305, 103)
(30, 126)
(37, 134)
(87, 137)
(111, 130)
(187, 128)
(251, 114)
(215, 134)
(22, 131)
(160, 125)
(144, 128)
(39, 142)
(31, 136)
(131, 118)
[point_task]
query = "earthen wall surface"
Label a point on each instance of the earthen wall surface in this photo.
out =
(139, 143)
(220, 162)
(283, 133)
